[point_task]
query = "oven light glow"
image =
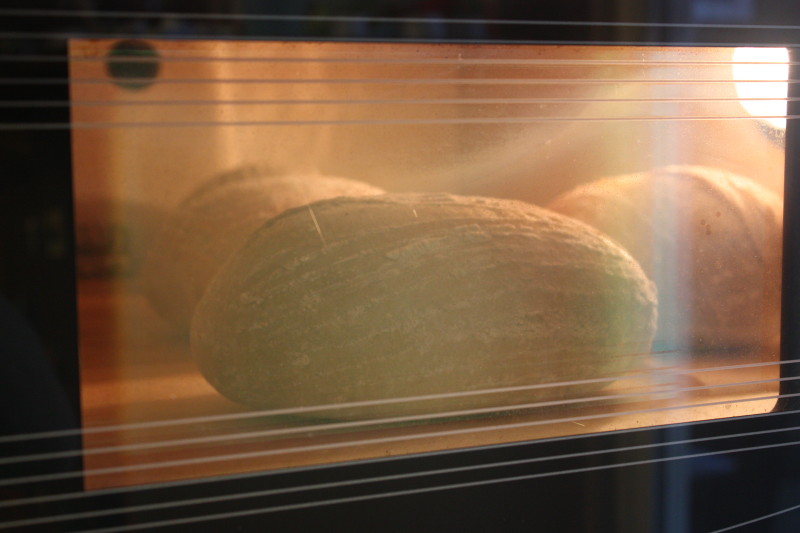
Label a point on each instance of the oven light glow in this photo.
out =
(765, 98)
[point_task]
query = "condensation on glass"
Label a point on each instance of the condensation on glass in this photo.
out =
(652, 146)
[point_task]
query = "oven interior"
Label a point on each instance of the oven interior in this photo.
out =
(189, 155)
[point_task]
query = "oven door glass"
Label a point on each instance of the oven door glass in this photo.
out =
(296, 253)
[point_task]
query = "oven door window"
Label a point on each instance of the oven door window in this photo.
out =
(296, 253)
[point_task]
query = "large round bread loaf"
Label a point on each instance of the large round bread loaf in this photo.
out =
(401, 295)
(215, 220)
(710, 240)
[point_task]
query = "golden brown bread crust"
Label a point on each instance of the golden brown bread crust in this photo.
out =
(215, 220)
(711, 241)
(399, 295)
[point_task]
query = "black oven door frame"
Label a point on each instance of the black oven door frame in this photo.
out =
(703, 477)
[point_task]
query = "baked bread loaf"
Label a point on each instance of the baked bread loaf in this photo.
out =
(711, 241)
(214, 221)
(381, 298)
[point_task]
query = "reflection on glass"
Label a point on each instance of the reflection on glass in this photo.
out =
(766, 95)
(535, 242)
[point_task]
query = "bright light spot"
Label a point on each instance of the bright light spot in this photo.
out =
(763, 98)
